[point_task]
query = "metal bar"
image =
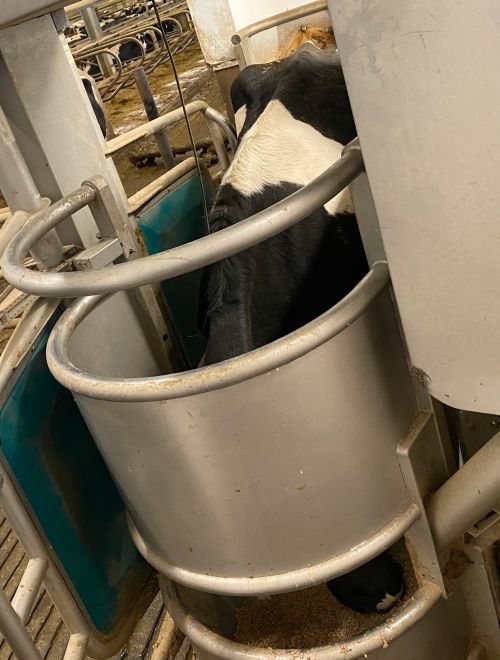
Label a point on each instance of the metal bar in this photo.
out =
(11, 227)
(213, 115)
(141, 80)
(152, 189)
(16, 182)
(20, 191)
(278, 19)
(77, 647)
(218, 140)
(152, 127)
(362, 645)
(229, 372)
(29, 586)
(168, 119)
(299, 578)
(15, 633)
(179, 260)
(94, 30)
(28, 535)
(467, 496)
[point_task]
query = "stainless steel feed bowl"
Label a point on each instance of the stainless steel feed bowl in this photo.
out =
(265, 473)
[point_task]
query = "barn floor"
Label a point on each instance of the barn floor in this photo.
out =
(45, 625)
(126, 111)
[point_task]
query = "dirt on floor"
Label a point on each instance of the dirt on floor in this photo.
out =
(313, 617)
(125, 111)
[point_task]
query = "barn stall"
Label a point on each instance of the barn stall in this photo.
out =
(124, 460)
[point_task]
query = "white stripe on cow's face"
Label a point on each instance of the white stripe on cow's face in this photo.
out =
(281, 149)
(239, 118)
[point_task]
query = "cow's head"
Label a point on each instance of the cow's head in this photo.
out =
(309, 83)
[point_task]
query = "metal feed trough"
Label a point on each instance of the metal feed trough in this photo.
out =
(235, 475)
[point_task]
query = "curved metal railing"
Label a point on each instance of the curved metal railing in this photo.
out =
(241, 40)
(179, 260)
(361, 645)
(216, 376)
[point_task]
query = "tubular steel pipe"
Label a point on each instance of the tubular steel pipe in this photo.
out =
(16, 181)
(179, 260)
(15, 633)
(467, 496)
(94, 30)
(278, 19)
(339, 564)
(148, 100)
(217, 376)
(166, 120)
(21, 193)
(77, 647)
(361, 645)
(27, 591)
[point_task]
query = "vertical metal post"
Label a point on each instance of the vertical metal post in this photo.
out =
(21, 193)
(184, 21)
(16, 182)
(94, 30)
(15, 633)
(141, 80)
(52, 121)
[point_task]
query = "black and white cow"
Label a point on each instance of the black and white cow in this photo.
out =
(293, 119)
(130, 50)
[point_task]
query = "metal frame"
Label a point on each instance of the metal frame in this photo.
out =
(377, 638)
(177, 261)
(217, 376)
(215, 121)
(41, 568)
(84, 637)
(100, 46)
(241, 40)
(339, 564)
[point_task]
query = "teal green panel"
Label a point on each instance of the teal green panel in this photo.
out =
(173, 220)
(55, 461)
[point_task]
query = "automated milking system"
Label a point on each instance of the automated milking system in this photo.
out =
(227, 495)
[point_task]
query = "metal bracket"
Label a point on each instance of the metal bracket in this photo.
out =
(98, 256)
(107, 215)
(423, 470)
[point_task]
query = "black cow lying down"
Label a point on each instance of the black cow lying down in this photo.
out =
(293, 118)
